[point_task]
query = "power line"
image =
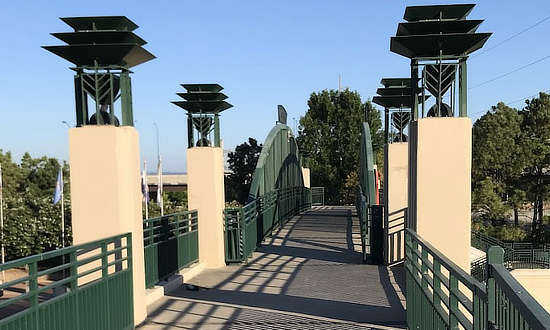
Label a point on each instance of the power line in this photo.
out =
(512, 37)
(511, 72)
(512, 102)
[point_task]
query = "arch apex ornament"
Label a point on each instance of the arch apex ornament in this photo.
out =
(279, 165)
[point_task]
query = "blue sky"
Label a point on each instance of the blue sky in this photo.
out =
(263, 52)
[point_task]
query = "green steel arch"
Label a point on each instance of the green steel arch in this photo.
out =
(366, 168)
(278, 166)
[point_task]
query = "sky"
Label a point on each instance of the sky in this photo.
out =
(263, 53)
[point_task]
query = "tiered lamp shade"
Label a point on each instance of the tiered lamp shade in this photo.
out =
(395, 94)
(440, 31)
(102, 41)
(203, 98)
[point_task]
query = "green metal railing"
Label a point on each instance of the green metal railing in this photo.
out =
(362, 213)
(247, 226)
(171, 243)
(317, 196)
(440, 295)
(517, 255)
(87, 286)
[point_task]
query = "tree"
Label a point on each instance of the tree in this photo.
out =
(535, 135)
(330, 133)
(242, 163)
(497, 160)
(488, 202)
(32, 224)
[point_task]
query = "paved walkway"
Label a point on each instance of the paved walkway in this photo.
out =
(309, 275)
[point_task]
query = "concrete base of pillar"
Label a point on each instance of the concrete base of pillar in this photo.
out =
(440, 151)
(396, 172)
(106, 193)
(205, 189)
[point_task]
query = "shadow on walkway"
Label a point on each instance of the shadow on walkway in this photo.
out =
(308, 275)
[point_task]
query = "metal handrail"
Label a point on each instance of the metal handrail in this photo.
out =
(82, 266)
(442, 294)
(241, 232)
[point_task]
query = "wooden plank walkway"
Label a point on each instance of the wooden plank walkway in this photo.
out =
(309, 275)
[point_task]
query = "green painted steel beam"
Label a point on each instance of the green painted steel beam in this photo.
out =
(124, 55)
(207, 107)
(395, 101)
(202, 96)
(437, 12)
(213, 88)
(395, 91)
(437, 27)
(437, 45)
(396, 82)
(89, 23)
(99, 37)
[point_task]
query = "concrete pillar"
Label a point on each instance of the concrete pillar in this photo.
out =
(306, 176)
(106, 193)
(440, 156)
(396, 172)
(205, 191)
(535, 281)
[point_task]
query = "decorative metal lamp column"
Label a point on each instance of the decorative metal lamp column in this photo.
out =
(396, 95)
(103, 150)
(203, 103)
(205, 167)
(438, 39)
(103, 50)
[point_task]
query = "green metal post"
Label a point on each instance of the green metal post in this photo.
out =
(495, 255)
(126, 98)
(216, 130)
(190, 139)
(387, 124)
(81, 101)
(463, 88)
(414, 89)
(98, 117)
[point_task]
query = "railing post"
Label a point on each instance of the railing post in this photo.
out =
(495, 255)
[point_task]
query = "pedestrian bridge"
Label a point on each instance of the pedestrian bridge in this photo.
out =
(308, 275)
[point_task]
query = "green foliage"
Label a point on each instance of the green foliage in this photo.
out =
(535, 129)
(173, 202)
(242, 163)
(488, 202)
(511, 149)
(502, 232)
(32, 224)
(330, 133)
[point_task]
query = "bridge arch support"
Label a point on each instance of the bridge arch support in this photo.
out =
(279, 166)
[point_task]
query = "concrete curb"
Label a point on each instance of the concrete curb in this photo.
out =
(173, 282)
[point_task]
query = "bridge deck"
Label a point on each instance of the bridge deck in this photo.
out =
(309, 275)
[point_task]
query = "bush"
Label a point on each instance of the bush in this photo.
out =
(501, 232)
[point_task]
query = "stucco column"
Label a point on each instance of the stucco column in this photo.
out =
(306, 176)
(440, 151)
(396, 172)
(106, 194)
(205, 191)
